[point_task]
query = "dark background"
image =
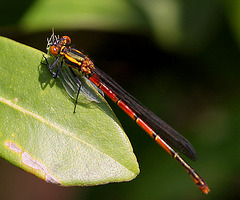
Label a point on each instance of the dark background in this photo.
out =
(179, 58)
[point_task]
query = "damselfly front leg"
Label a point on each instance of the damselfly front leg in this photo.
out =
(55, 75)
(51, 67)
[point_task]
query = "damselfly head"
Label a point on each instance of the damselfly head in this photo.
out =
(64, 41)
(55, 44)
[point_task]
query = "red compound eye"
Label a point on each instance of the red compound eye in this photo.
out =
(65, 40)
(54, 50)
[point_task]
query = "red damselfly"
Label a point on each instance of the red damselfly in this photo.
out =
(160, 131)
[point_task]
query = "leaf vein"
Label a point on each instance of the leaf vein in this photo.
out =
(36, 116)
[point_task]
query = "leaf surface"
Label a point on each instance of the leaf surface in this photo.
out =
(40, 134)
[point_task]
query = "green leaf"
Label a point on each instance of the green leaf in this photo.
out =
(40, 134)
(84, 14)
(233, 15)
(182, 26)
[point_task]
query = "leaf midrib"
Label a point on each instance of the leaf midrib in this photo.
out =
(61, 130)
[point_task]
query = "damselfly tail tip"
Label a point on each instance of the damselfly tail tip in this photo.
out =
(205, 189)
(198, 180)
(202, 185)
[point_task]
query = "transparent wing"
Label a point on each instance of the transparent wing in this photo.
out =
(71, 86)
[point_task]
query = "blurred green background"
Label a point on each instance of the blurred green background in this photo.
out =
(179, 58)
